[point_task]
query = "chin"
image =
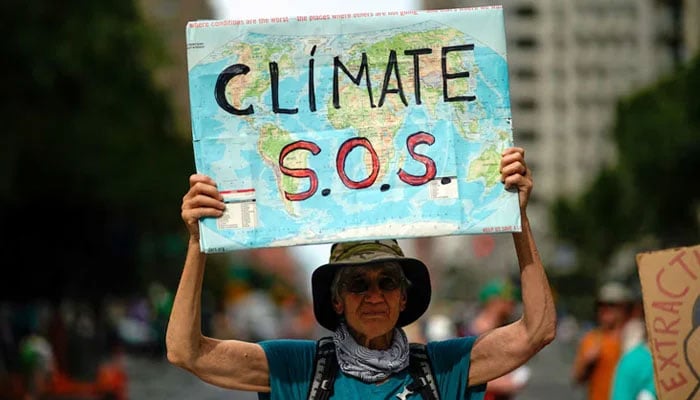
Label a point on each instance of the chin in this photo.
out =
(376, 327)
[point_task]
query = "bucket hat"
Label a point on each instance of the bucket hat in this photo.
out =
(369, 252)
(614, 293)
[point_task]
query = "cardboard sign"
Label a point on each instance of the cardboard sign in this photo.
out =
(670, 282)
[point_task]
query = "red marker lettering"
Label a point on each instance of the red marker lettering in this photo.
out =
(300, 172)
(430, 169)
(343, 152)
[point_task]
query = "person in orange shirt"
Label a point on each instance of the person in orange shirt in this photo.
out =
(600, 349)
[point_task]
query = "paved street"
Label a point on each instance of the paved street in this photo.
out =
(550, 375)
(151, 379)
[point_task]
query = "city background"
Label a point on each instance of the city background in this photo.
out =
(98, 151)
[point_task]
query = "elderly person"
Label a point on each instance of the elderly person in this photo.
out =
(365, 295)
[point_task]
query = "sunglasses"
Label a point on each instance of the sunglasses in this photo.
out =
(361, 284)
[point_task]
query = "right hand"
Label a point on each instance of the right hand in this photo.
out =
(516, 175)
(202, 200)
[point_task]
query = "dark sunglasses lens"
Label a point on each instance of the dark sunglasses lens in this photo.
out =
(388, 283)
(361, 285)
(357, 285)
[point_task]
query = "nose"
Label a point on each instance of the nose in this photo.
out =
(374, 293)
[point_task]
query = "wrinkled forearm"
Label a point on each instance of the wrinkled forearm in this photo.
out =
(539, 314)
(503, 349)
(184, 334)
(230, 364)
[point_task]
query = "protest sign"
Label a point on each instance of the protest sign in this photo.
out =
(670, 282)
(327, 128)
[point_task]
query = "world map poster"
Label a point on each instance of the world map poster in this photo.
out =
(327, 128)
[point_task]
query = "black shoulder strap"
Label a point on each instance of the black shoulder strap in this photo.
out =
(325, 368)
(422, 373)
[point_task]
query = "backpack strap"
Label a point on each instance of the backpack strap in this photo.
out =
(421, 371)
(325, 368)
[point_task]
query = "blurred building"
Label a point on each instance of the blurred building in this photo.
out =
(569, 63)
(691, 29)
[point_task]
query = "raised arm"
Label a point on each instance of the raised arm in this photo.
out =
(231, 364)
(503, 349)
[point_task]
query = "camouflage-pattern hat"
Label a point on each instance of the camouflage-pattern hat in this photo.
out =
(368, 252)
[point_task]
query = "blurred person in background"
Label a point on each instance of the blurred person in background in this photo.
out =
(634, 329)
(365, 295)
(28, 358)
(161, 301)
(634, 374)
(497, 302)
(599, 349)
(37, 360)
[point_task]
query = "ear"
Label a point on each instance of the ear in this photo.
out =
(402, 303)
(338, 307)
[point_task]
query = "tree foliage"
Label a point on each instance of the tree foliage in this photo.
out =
(658, 137)
(93, 169)
(651, 193)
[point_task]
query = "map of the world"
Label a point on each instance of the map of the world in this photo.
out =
(328, 128)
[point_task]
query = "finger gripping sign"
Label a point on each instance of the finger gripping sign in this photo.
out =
(670, 282)
(328, 128)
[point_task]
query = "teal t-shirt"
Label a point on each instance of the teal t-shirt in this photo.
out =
(291, 365)
(634, 375)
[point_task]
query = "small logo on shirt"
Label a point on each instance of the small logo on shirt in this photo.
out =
(404, 394)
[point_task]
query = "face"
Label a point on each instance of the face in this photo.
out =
(371, 300)
(611, 315)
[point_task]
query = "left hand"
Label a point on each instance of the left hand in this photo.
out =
(515, 175)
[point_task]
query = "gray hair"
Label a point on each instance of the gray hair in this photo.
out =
(343, 273)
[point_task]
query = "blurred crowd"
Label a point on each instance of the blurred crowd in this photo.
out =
(72, 348)
(612, 359)
(55, 350)
(497, 305)
(68, 349)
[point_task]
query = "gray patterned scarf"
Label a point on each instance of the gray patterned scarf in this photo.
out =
(366, 364)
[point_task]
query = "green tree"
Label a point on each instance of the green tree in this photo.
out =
(93, 169)
(650, 195)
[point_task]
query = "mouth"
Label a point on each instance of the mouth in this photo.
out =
(374, 314)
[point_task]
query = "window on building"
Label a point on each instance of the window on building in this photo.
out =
(525, 135)
(525, 73)
(559, 73)
(526, 104)
(584, 130)
(560, 104)
(526, 10)
(526, 43)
